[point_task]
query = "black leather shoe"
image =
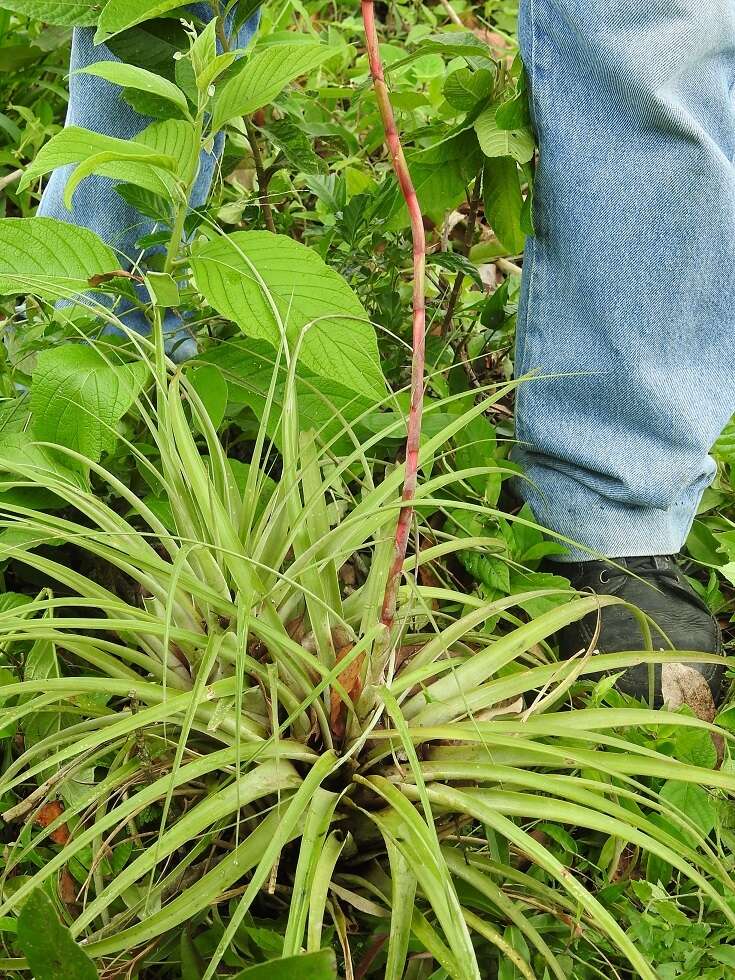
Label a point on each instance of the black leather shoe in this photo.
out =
(663, 593)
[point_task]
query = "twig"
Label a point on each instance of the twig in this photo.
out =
(400, 166)
(252, 138)
(468, 236)
(260, 174)
(10, 179)
(508, 267)
(451, 13)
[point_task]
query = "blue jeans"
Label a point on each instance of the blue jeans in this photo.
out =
(629, 279)
(97, 105)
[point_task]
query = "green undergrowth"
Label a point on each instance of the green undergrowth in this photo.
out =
(217, 761)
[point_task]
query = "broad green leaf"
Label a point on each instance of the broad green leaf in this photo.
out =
(119, 15)
(504, 202)
(464, 88)
(724, 954)
(440, 175)
(255, 279)
(96, 163)
(175, 138)
(507, 969)
(50, 258)
(163, 289)
(66, 13)
(204, 50)
(128, 76)
(20, 454)
(13, 600)
(497, 142)
(453, 44)
(696, 747)
(455, 262)
(308, 966)
(78, 397)
(132, 161)
(695, 803)
(325, 405)
(515, 113)
(476, 446)
(265, 74)
(47, 944)
(152, 46)
(295, 145)
(192, 965)
(41, 663)
(15, 57)
(211, 387)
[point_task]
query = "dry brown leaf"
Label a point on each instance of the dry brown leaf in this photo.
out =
(682, 684)
(350, 680)
(103, 277)
(510, 706)
(47, 814)
(67, 888)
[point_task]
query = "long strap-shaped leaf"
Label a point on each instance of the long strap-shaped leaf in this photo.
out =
(402, 825)
(403, 894)
(265, 779)
(484, 884)
(318, 821)
(286, 826)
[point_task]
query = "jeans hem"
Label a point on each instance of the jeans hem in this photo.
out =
(594, 526)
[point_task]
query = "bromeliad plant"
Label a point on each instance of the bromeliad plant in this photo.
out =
(227, 751)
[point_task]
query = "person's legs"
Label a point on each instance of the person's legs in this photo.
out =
(97, 105)
(629, 277)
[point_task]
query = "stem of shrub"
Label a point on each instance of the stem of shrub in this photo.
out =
(260, 173)
(400, 166)
(469, 235)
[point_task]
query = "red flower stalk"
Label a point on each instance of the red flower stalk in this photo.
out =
(403, 526)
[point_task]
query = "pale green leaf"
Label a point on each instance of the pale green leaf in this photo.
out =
(497, 142)
(140, 161)
(257, 279)
(67, 13)
(50, 258)
(128, 76)
(78, 397)
(118, 15)
(308, 966)
(264, 76)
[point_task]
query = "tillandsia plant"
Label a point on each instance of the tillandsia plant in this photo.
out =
(239, 737)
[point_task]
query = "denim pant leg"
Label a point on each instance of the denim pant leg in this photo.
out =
(628, 279)
(97, 105)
